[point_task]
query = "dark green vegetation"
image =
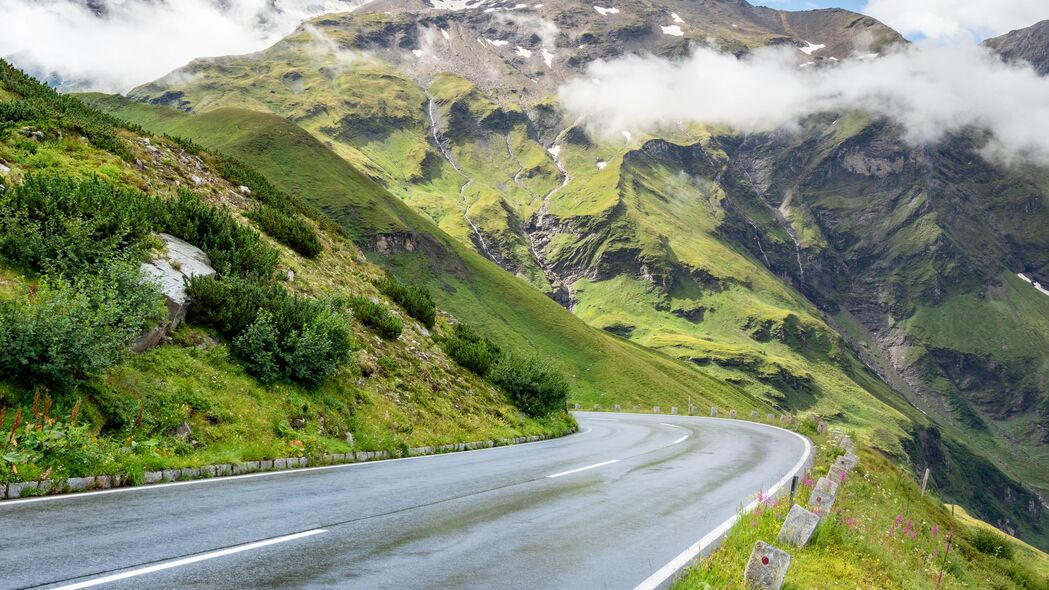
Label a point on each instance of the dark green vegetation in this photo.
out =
(376, 317)
(65, 330)
(414, 300)
(826, 272)
(263, 367)
(534, 385)
(277, 334)
(881, 533)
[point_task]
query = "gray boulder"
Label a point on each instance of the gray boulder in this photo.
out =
(170, 272)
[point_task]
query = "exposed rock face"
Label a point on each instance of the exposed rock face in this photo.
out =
(170, 272)
(1030, 45)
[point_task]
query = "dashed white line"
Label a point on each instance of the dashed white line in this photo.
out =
(670, 425)
(189, 560)
(594, 466)
(680, 440)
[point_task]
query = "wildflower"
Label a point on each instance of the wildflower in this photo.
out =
(934, 531)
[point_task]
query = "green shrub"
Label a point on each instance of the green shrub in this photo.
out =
(69, 330)
(377, 318)
(991, 543)
(416, 301)
(471, 351)
(287, 229)
(232, 247)
(56, 224)
(535, 387)
(275, 333)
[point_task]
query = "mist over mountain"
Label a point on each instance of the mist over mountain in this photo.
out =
(113, 45)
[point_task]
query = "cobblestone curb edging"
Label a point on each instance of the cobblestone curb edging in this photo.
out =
(104, 482)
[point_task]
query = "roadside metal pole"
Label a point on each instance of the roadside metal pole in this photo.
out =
(793, 488)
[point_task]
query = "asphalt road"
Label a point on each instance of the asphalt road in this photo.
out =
(605, 508)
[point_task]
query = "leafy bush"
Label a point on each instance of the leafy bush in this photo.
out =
(232, 247)
(377, 318)
(275, 333)
(535, 387)
(52, 223)
(414, 300)
(68, 330)
(471, 351)
(990, 543)
(286, 229)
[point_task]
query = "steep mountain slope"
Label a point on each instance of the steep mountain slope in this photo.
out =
(773, 261)
(1030, 45)
(191, 400)
(604, 368)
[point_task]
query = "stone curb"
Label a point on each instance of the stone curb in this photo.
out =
(45, 487)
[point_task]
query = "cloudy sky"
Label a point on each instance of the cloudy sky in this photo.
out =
(937, 19)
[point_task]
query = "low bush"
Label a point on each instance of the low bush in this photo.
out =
(276, 334)
(376, 317)
(56, 224)
(471, 351)
(533, 384)
(232, 247)
(416, 301)
(68, 330)
(287, 229)
(990, 543)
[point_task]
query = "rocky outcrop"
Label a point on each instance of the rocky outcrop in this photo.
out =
(1030, 45)
(170, 272)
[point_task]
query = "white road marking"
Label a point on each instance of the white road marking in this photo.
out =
(594, 466)
(225, 478)
(189, 560)
(680, 440)
(685, 557)
(670, 425)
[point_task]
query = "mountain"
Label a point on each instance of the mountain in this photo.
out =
(836, 270)
(1030, 45)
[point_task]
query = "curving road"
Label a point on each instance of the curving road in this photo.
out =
(610, 507)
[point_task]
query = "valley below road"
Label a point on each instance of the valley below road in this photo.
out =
(610, 507)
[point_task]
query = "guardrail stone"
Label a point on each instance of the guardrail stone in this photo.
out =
(821, 502)
(798, 527)
(766, 568)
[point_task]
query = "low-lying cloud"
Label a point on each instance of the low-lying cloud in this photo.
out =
(929, 91)
(114, 45)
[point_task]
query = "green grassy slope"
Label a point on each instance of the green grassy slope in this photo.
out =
(393, 394)
(605, 369)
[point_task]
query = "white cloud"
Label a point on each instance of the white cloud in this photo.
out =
(957, 19)
(136, 41)
(929, 91)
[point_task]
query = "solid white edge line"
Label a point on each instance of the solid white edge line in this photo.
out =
(189, 560)
(225, 478)
(594, 466)
(680, 440)
(685, 557)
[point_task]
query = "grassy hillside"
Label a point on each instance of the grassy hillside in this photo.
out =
(69, 176)
(605, 369)
(880, 534)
